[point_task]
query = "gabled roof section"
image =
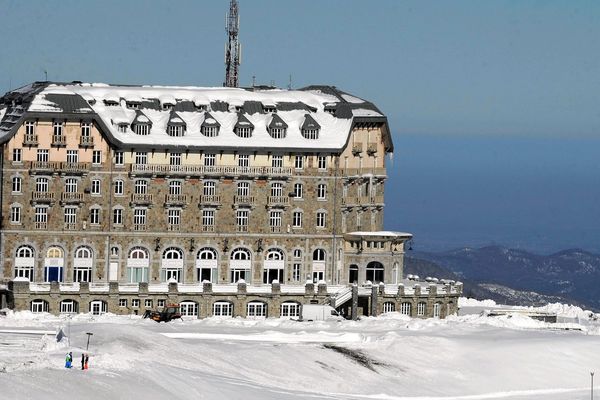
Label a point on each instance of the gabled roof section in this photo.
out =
(175, 119)
(243, 122)
(209, 120)
(277, 122)
(141, 118)
(309, 123)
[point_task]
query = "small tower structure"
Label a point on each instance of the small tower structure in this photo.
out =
(233, 50)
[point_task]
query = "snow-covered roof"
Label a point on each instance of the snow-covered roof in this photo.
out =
(194, 105)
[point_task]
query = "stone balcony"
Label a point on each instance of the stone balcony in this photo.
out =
(278, 201)
(176, 200)
(59, 141)
(142, 199)
(86, 141)
(243, 200)
(213, 199)
(68, 198)
(42, 197)
(204, 170)
(74, 168)
(30, 139)
(362, 200)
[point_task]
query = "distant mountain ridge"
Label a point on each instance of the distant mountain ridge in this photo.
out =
(572, 275)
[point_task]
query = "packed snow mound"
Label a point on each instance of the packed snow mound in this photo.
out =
(469, 302)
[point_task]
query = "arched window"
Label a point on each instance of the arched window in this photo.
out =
(137, 265)
(188, 309)
(405, 308)
(222, 309)
(389, 306)
(375, 272)
(274, 265)
(256, 309)
(240, 264)
(82, 264)
(206, 265)
(172, 264)
(319, 255)
(290, 309)
(69, 307)
(39, 306)
(25, 262)
(53, 265)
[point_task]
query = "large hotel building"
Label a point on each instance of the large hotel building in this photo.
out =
(229, 201)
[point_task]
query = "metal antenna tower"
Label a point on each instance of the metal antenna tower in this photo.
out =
(233, 49)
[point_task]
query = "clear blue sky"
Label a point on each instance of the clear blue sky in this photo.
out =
(494, 106)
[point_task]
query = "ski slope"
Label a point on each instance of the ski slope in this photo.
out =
(390, 357)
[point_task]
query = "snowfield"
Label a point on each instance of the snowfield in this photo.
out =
(391, 357)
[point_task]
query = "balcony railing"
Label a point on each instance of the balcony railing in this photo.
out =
(42, 197)
(44, 166)
(243, 200)
(208, 228)
(175, 199)
(86, 141)
(276, 229)
(278, 200)
(41, 225)
(357, 148)
(142, 198)
(365, 171)
(70, 226)
(74, 167)
(372, 148)
(362, 200)
(140, 227)
(204, 170)
(71, 197)
(174, 228)
(59, 140)
(242, 228)
(30, 139)
(210, 199)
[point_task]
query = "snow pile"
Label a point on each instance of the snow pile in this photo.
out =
(469, 302)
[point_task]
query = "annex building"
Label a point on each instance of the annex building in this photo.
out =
(229, 201)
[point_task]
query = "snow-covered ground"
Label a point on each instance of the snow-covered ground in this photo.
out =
(389, 357)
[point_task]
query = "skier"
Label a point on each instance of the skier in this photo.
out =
(82, 360)
(87, 358)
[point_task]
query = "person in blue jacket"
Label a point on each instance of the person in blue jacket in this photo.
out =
(69, 360)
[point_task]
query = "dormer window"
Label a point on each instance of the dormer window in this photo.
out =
(111, 102)
(330, 108)
(210, 126)
(122, 128)
(201, 107)
(167, 107)
(243, 128)
(277, 127)
(175, 130)
(141, 129)
(310, 128)
(133, 105)
(210, 131)
(270, 108)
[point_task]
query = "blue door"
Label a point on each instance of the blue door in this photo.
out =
(53, 274)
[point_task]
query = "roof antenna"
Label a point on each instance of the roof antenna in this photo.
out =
(46, 74)
(233, 50)
(253, 80)
(290, 83)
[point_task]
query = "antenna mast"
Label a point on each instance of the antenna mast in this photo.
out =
(233, 49)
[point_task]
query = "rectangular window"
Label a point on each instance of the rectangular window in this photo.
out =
(275, 218)
(96, 157)
(42, 155)
(122, 302)
(41, 185)
(243, 160)
(321, 219)
(122, 128)
(119, 188)
(95, 216)
(175, 187)
(119, 158)
(71, 185)
(276, 161)
(243, 189)
(139, 216)
(160, 303)
(276, 189)
(17, 155)
(174, 216)
(15, 215)
(175, 130)
(135, 303)
(208, 217)
(296, 272)
(141, 129)
(72, 156)
(241, 218)
(299, 162)
(210, 160)
(322, 191)
(297, 219)
(322, 162)
(95, 190)
(41, 214)
(148, 303)
(421, 309)
(118, 216)
(209, 188)
(70, 215)
(175, 159)
(298, 190)
(57, 128)
(30, 128)
(86, 129)
(141, 158)
(17, 184)
(140, 187)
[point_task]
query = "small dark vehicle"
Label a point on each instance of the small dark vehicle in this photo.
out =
(168, 313)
